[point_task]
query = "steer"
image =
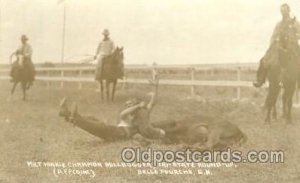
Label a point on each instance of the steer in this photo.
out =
(205, 131)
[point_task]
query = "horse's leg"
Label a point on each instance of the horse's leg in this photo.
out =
(107, 82)
(268, 106)
(101, 88)
(271, 98)
(12, 90)
(274, 114)
(114, 89)
(284, 102)
(276, 93)
(24, 87)
(268, 118)
(290, 95)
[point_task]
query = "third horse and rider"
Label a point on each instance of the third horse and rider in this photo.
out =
(280, 64)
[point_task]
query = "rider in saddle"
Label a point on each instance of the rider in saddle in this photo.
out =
(24, 50)
(284, 45)
(104, 49)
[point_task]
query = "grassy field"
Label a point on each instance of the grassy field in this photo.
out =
(33, 131)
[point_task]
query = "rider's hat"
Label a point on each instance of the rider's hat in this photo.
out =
(105, 32)
(24, 37)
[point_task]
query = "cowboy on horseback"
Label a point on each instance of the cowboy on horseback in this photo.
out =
(25, 51)
(283, 47)
(104, 49)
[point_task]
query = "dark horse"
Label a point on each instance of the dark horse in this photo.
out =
(286, 71)
(20, 74)
(111, 71)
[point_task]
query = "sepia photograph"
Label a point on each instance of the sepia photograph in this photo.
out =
(149, 91)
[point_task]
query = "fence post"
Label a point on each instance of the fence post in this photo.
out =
(193, 79)
(238, 79)
(297, 102)
(48, 82)
(62, 78)
(212, 72)
(80, 83)
(154, 72)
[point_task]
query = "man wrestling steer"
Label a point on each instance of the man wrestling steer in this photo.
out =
(205, 132)
(135, 118)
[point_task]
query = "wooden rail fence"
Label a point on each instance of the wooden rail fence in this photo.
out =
(192, 82)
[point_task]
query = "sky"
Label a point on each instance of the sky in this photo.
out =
(161, 31)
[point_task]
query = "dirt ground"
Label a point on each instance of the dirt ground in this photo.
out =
(33, 131)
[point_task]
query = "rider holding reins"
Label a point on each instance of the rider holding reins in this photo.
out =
(25, 51)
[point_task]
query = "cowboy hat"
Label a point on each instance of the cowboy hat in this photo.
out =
(105, 32)
(24, 37)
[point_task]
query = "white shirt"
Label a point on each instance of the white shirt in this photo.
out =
(26, 50)
(105, 47)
